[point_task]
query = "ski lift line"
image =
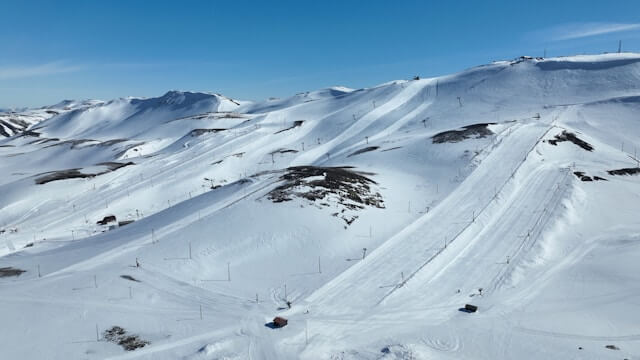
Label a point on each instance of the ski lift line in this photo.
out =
(160, 232)
(163, 231)
(534, 234)
(534, 228)
(164, 170)
(121, 174)
(455, 237)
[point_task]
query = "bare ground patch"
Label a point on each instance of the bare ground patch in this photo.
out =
(569, 136)
(199, 132)
(364, 150)
(475, 131)
(296, 124)
(625, 171)
(74, 143)
(10, 271)
(130, 278)
(584, 177)
(326, 186)
(76, 174)
(118, 335)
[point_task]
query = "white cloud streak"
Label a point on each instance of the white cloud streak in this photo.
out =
(577, 31)
(24, 71)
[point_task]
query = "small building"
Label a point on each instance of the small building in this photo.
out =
(280, 321)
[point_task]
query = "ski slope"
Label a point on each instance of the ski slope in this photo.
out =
(490, 187)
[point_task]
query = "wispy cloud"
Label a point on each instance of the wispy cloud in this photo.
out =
(583, 30)
(24, 71)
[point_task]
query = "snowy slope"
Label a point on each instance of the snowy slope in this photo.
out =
(13, 122)
(500, 178)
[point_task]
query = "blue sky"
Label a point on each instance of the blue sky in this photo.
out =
(54, 50)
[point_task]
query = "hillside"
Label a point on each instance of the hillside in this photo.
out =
(13, 122)
(378, 213)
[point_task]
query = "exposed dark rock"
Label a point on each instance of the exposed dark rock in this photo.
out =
(393, 148)
(350, 189)
(10, 271)
(295, 125)
(129, 277)
(73, 143)
(75, 173)
(569, 136)
(581, 175)
(107, 219)
(625, 171)
(364, 150)
(119, 336)
(198, 132)
(475, 131)
(283, 151)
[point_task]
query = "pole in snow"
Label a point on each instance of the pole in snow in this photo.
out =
(95, 281)
(285, 291)
(319, 268)
(130, 293)
(200, 312)
(190, 250)
(228, 271)
(39, 271)
(97, 334)
(364, 253)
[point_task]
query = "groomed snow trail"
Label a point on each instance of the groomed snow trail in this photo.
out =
(392, 265)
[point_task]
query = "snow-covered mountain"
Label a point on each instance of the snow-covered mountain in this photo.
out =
(179, 226)
(15, 121)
